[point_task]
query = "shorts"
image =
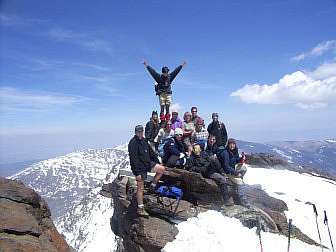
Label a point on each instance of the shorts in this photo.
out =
(165, 99)
(143, 173)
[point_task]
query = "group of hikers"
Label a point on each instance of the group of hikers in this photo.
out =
(167, 141)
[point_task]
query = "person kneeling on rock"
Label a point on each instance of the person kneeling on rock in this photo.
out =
(200, 161)
(175, 150)
(142, 160)
(230, 161)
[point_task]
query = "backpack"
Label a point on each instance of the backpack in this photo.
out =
(170, 191)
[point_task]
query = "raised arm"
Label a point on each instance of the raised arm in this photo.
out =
(153, 73)
(176, 71)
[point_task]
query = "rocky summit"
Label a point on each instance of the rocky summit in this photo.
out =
(252, 206)
(25, 221)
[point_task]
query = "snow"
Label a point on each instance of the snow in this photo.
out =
(71, 186)
(330, 141)
(72, 183)
(211, 231)
(282, 154)
(297, 189)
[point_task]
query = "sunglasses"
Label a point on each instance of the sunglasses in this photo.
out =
(179, 135)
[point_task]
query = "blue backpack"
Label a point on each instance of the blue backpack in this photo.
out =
(170, 191)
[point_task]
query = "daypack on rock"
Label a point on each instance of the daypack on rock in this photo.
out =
(170, 191)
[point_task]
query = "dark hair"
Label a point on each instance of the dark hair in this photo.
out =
(154, 113)
(165, 69)
(193, 108)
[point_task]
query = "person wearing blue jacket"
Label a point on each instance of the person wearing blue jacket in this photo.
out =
(229, 158)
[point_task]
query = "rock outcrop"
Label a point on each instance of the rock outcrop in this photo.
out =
(252, 205)
(25, 223)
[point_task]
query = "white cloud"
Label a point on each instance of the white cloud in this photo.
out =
(13, 99)
(176, 107)
(317, 50)
(307, 90)
(81, 39)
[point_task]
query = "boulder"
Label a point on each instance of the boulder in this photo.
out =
(25, 223)
(252, 205)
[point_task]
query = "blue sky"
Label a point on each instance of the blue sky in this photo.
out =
(72, 78)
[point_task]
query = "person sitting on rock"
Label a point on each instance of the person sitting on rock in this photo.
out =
(143, 160)
(176, 121)
(230, 160)
(152, 129)
(201, 162)
(175, 150)
(163, 88)
(163, 135)
(188, 130)
(200, 135)
(212, 149)
(218, 129)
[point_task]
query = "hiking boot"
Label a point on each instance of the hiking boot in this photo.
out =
(228, 202)
(142, 212)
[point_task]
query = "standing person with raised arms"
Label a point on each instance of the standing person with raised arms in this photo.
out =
(163, 88)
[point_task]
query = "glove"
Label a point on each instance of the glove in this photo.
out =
(182, 155)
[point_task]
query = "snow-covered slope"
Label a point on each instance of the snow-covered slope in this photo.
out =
(212, 232)
(319, 155)
(71, 186)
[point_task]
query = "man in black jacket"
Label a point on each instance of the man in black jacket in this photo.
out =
(200, 161)
(218, 129)
(143, 160)
(163, 88)
(152, 129)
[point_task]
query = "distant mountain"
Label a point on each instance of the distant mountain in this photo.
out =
(318, 156)
(7, 169)
(71, 184)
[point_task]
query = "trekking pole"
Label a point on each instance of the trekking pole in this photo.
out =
(317, 226)
(259, 233)
(289, 233)
(327, 224)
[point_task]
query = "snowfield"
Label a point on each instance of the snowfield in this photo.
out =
(211, 231)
